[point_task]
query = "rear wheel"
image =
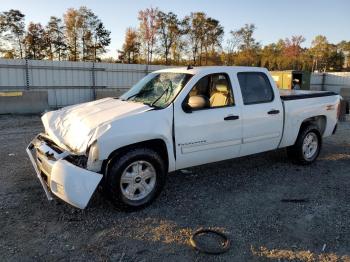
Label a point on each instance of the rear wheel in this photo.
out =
(135, 178)
(307, 147)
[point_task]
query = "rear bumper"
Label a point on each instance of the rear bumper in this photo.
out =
(73, 184)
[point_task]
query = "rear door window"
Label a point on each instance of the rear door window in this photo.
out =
(255, 87)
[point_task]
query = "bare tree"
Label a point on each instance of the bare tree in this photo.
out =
(233, 43)
(247, 47)
(73, 24)
(244, 37)
(320, 51)
(293, 51)
(148, 30)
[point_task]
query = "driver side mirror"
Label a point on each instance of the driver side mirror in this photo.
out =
(194, 103)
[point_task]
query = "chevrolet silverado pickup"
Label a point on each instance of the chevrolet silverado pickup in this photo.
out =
(174, 119)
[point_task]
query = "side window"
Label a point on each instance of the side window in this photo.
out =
(255, 87)
(215, 89)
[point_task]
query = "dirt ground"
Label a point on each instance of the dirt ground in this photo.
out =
(241, 197)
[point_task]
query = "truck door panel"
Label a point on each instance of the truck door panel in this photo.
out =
(262, 113)
(212, 133)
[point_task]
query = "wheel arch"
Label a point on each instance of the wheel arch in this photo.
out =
(158, 145)
(319, 121)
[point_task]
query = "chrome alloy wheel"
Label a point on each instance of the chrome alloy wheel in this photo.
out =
(138, 180)
(310, 145)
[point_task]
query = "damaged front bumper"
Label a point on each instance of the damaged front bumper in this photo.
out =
(69, 182)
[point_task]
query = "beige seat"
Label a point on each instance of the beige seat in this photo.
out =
(220, 96)
(201, 88)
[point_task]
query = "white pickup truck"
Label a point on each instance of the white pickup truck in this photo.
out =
(170, 120)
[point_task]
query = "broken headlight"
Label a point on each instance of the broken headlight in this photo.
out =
(93, 162)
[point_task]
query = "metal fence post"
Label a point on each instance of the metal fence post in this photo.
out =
(27, 73)
(323, 81)
(93, 81)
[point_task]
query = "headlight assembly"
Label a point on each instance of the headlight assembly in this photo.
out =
(93, 162)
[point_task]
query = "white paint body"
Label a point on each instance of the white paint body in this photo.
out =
(191, 139)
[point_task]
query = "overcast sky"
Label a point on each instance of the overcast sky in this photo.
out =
(274, 19)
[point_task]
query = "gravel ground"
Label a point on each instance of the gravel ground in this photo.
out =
(241, 197)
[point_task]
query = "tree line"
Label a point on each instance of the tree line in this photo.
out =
(79, 36)
(197, 39)
(164, 38)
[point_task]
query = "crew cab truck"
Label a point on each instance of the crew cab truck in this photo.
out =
(170, 120)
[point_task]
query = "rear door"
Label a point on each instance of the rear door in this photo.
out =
(262, 113)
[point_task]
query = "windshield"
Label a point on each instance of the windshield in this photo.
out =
(157, 89)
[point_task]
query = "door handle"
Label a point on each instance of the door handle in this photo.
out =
(231, 118)
(273, 112)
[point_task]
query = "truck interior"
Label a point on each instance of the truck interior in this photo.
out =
(299, 76)
(215, 89)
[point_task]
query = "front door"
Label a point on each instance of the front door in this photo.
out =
(212, 132)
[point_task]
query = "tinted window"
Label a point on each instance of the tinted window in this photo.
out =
(215, 89)
(255, 87)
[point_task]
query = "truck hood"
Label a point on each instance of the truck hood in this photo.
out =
(74, 128)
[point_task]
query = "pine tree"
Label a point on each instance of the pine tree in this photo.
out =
(55, 39)
(12, 32)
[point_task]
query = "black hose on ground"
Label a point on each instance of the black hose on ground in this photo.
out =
(224, 244)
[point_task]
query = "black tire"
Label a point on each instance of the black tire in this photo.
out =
(295, 152)
(115, 169)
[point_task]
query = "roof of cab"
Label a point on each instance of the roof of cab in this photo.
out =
(212, 69)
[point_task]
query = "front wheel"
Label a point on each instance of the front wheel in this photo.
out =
(307, 147)
(135, 178)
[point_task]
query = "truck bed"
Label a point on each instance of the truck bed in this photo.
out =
(299, 105)
(302, 94)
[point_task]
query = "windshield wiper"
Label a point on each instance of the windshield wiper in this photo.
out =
(126, 99)
(155, 101)
(150, 104)
(139, 93)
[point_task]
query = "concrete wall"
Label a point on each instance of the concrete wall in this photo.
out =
(110, 92)
(316, 82)
(331, 81)
(337, 81)
(24, 102)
